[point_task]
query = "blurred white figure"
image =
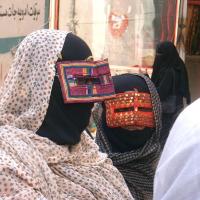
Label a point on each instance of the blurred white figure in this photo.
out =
(178, 173)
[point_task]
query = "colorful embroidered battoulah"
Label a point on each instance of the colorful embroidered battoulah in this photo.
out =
(85, 81)
(34, 167)
(130, 108)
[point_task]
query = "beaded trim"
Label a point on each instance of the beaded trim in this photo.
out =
(130, 109)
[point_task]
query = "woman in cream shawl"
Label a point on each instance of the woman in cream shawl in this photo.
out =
(33, 164)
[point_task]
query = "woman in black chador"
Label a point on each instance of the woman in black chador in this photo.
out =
(170, 78)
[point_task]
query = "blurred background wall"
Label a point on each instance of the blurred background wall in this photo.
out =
(124, 31)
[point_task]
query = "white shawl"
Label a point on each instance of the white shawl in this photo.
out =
(178, 173)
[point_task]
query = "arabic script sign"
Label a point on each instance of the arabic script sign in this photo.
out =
(20, 16)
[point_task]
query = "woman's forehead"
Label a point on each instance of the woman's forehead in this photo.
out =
(129, 82)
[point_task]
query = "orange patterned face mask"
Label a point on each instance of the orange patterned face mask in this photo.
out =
(130, 109)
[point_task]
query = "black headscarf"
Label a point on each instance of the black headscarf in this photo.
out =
(134, 153)
(122, 140)
(64, 123)
(169, 72)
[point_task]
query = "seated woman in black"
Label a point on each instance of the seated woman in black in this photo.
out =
(128, 129)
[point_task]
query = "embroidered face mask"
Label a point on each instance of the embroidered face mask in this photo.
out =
(132, 109)
(85, 81)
